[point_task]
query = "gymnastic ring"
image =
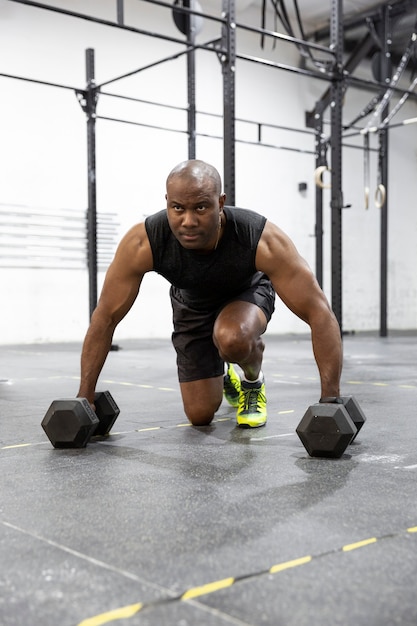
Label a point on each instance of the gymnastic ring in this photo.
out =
(318, 173)
(380, 196)
(366, 197)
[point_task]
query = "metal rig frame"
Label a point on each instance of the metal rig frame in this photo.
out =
(225, 47)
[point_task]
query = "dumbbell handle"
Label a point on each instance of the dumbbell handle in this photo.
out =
(106, 411)
(331, 400)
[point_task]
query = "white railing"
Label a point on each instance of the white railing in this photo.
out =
(53, 238)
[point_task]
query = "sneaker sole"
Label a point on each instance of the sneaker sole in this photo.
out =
(248, 423)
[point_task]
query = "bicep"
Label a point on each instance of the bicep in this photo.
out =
(291, 276)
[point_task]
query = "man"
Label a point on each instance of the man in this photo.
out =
(224, 265)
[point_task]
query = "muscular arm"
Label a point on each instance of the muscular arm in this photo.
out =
(132, 260)
(297, 287)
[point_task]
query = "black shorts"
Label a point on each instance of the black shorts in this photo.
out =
(197, 356)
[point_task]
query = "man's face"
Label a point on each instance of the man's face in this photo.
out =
(194, 210)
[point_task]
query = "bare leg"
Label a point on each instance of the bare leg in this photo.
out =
(237, 336)
(201, 399)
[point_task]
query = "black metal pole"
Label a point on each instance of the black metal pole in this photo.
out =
(383, 174)
(383, 147)
(336, 158)
(228, 62)
(314, 119)
(191, 116)
(90, 108)
(120, 12)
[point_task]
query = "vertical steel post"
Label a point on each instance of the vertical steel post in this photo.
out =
(90, 109)
(383, 173)
(314, 119)
(191, 115)
(336, 204)
(228, 62)
(120, 12)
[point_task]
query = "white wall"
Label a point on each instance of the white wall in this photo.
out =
(43, 161)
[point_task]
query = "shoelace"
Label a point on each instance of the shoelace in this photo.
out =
(251, 400)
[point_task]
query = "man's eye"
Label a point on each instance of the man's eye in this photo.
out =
(200, 208)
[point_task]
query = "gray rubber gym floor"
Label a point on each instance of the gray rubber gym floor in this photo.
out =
(165, 524)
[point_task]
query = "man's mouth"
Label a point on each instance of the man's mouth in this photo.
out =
(190, 236)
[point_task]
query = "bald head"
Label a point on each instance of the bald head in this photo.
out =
(195, 205)
(198, 172)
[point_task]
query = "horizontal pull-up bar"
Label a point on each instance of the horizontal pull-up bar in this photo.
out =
(154, 126)
(304, 131)
(222, 20)
(39, 82)
(208, 135)
(168, 106)
(97, 20)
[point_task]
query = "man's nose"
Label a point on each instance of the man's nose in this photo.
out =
(189, 219)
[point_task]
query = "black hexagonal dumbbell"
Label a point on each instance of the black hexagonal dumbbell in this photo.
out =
(327, 428)
(107, 412)
(71, 422)
(355, 413)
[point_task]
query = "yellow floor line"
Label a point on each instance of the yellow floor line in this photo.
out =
(123, 613)
(209, 588)
(195, 592)
(359, 544)
(294, 563)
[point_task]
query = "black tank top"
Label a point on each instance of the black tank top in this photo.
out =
(205, 281)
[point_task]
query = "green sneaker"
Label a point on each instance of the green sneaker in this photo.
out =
(252, 405)
(231, 386)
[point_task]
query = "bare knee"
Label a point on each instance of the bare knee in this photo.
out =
(199, 418)
(236, 344)
(201, 399)
(201, 413)
(237, 332)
